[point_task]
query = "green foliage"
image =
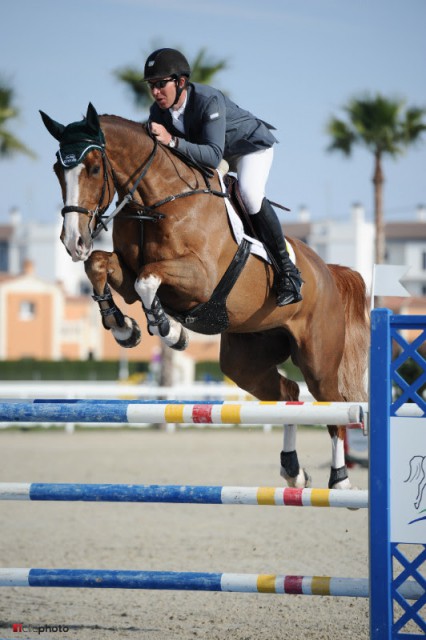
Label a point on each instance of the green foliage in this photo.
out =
(378, 123)
(29, 369)
(203, 69)
(9, 144)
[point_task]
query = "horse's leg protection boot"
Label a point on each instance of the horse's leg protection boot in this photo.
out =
(288, 279)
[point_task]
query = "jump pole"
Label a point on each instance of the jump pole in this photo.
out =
(193, 581)
(187, 494)
(136, 412)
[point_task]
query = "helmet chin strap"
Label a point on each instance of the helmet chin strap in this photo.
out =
(179, 90)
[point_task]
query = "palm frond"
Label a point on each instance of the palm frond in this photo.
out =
(342, 137)
(203, 70)
(9, 143)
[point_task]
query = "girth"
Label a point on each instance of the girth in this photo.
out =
(211, 317)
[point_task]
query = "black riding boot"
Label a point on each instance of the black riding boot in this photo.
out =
(288, 280)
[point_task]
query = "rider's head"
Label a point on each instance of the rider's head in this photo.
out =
(167, 72)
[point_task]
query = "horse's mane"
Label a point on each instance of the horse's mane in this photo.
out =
(119, 121)
(113, 119)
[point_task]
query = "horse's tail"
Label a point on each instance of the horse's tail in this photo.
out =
(353, 367)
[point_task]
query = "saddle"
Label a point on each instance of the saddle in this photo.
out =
(233, 189)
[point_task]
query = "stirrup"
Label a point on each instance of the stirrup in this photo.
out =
(287, 287)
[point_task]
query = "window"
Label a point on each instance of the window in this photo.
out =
(27, 310)
(4, 256)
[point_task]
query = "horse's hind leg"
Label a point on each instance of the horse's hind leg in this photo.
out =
(102, 268)
(251, 360)
(323, 384)
(291, 471)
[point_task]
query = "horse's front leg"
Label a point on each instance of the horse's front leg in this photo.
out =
(103, 267)
(160, 324)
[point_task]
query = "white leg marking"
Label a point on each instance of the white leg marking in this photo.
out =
(337, 453)
(302, 479)
(123, 333)
(289, 437)
(338, 460)
(147, 288)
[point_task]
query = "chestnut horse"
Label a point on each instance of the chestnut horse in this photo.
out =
(172, 246)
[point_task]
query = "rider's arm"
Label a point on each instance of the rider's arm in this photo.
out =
(210, 126)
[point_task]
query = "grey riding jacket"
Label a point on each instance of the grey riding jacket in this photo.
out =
(215, 127)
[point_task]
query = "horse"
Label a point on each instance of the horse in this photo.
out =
(174, 252)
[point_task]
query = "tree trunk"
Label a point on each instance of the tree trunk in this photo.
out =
(378, 181)
(380, 248)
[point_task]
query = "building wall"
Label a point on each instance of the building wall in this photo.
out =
(30, 313)
(69, 325)
(348, 242)
(29, 335)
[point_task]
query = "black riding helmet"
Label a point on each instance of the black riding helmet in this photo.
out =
(164, 63)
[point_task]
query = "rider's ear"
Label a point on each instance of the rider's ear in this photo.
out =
(54, 128)
(92, 118)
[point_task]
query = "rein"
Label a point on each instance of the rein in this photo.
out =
(103, 223)
(145, 212)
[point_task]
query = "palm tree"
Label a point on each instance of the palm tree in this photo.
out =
(383, 126)
(203, 69)
(9, 144)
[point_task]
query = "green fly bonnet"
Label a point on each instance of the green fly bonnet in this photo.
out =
(77, 138)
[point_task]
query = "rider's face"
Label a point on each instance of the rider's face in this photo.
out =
(165, 95)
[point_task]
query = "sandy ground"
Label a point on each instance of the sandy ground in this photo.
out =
(244, 539)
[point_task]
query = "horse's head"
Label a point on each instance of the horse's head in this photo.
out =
(87, 187)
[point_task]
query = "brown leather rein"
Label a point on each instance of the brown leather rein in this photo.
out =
(143, 212)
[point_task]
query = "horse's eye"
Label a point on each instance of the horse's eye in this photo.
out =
(95, 170)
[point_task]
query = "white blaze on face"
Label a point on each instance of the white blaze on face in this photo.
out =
(71, 233)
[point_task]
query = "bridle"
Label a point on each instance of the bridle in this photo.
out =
(143, 212)
(98, 212)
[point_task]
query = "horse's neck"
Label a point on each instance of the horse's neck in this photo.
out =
(129, 149)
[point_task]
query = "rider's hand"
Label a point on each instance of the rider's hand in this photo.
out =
(160, 133)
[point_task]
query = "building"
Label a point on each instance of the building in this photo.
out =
(39, 320)
(46, 310)
(351, 242)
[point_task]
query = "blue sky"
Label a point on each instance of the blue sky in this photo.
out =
(293, 63)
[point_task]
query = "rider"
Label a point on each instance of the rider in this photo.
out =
(207, 126)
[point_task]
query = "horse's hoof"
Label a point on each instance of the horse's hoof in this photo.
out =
(183, 341)
(302, 481)
(134, 339)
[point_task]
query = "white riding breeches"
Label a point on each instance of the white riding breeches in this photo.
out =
(253, 171)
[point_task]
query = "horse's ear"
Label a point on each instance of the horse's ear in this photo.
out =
(92, 118)
(54, 128)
